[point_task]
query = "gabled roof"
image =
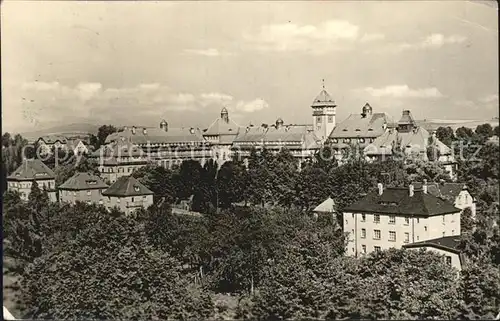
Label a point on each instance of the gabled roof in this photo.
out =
(328, 206)
(127, 186)
(323, 99)
(372, 125)
(83, 181)
(32, 169)
(447, 243)
(406, 118)
(157, 136)
(220, 127)
(395, 200)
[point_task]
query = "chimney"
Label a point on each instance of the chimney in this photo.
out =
(411, 190)
(424, 186)
(144, 131)
(380, 188)
(133, 130)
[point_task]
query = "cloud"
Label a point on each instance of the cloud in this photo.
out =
(251, 106)
(328, 36)
(403, 91)
(489, 98)
(88, 90)
(433, 41)
(210, 52)
(207, 99)
(41, 86)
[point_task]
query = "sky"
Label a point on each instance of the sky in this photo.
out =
(135, 63)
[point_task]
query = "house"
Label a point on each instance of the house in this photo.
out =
(128, 194)
(359, 130)
(220, 134)
(83, 187)
(48, 143)
(164, 145)
(326, 207)
(457, 193)
(32, 170)
(78, 146)
(391, 217)
(447, 246)
(119, 159)
(407, 141)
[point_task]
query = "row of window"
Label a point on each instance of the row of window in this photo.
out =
(89, 192)
(28, 185)
(330, 119)
(348, 140)
(392, 235)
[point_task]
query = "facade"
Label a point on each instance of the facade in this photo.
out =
(359, 130)
(323, 114)
(32, 170)
(393, 217)
(128, 195)
(83, 187)
(166, 146)
(446, 246)
(221, 134)
(48, 143)
(300, 140)
(119, 159)
(410, 141)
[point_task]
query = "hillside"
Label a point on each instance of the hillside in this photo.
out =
(433, 124)
(76, 128)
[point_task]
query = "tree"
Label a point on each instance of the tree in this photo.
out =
(467, 223)
(496, 131)
(37, 199)
(231, 183)
(6, 140)
(285, 176)
(312, 187)
(106, 261)
(103, 132)
(159, 180)
(484, 130)
(445, 135)
(464, 133)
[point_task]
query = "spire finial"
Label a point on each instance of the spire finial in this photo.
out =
(323, 83)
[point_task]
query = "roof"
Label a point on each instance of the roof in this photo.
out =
(32, 169)
(406, 118)
(220, 127)
(397, 200)
(358, 126)
(451, 190)
(52, 139)
(157, 136)
(327, 206)
(83, 181)
(119, 149)
(447, 243)
(323, 99)
(416, 139)
(127, 186)
(297, 135)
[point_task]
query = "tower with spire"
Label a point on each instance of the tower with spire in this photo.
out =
(323, 114)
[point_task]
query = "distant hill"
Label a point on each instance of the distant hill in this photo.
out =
(70, 129)
(433, 124)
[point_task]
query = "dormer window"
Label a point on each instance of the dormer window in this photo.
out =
(358, 130)
(361, 140)
(92, 182)
(344, 130)
(335, 140)
(136, 188)
(347, 140)
(370, 129)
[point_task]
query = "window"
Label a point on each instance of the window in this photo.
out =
(318, 119)
(335, 140)
(425, 228)
(363, 233)
(376, 218)
(376, 234)
(330, 119)
(363, 217)
(448, 260)
(407, 220)
(352, 231)
(132, 199)
(89, 193)
(74, 193)
(353, 215)
(407, 237)
(452, 232)
(392, 236)
(377, 248)
(418, 238)
(444, 233)
(363, 248)
(443, 218)
(118, 200)
(418, 220)
(346, 221)
(392, 219)
(347, 140)
(361, 140)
